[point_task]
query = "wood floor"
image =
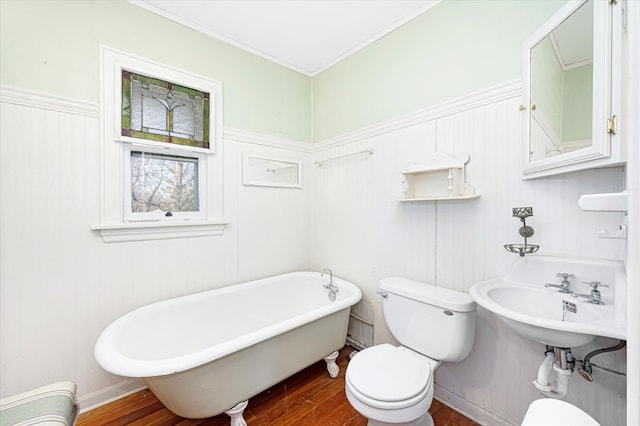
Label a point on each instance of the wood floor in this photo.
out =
(309, 397)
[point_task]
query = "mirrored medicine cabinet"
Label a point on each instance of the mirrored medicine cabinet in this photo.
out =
(571, 88)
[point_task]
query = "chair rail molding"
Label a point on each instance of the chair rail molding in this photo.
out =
(24, 97)
(508, 90)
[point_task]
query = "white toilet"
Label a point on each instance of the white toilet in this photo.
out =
(394, 385)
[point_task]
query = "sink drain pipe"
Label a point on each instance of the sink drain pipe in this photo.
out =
(560, 361)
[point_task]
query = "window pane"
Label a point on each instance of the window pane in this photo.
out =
(154, 112)
(165, 112)
(165, 183)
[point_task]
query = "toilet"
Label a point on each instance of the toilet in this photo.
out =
(554, 412)
(392, 385)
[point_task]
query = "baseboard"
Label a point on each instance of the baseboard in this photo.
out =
(112, 393)
(468, 409)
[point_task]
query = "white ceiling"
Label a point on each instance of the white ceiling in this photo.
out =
(308, 36)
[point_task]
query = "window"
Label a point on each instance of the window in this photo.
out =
(159, 110)
(161, 142)
(162, 185)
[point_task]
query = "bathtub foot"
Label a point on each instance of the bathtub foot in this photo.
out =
(236, 413)
(332, 367)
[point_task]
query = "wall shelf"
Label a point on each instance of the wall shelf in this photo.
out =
(440, 198)
(440, 177)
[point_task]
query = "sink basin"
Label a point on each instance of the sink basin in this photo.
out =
(522, 302)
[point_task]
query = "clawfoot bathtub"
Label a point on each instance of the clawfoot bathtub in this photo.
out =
(207, 353)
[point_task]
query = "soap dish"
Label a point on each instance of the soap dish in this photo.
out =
(522, 249)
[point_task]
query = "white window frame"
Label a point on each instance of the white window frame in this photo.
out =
(130, 216)
(115, 223)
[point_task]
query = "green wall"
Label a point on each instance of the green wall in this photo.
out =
(457, 47)
(52, 47)
(577, 113)
(547, 84)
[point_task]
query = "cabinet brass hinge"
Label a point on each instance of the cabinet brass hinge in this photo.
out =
(612, 125)
(613, 2)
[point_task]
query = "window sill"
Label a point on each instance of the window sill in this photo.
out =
(144, 231)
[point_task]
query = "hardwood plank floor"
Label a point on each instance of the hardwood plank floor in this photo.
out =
(308, 398)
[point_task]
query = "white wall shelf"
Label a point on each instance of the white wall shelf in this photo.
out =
(608, 202)
(440, 177)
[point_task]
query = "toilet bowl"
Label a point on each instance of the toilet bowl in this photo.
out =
(554, 412)
(401, 390)
(394, 385)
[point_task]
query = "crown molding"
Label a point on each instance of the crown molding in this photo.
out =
(428, 4)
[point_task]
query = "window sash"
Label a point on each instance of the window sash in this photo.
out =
(199, 213)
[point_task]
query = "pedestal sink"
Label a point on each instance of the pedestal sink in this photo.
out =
(544, 314)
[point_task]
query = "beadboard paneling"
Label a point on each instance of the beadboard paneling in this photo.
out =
(364, 234)
(60, 285)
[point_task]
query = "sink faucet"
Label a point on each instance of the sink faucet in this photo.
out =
(595, 296)
(330, 285)
(564, 284)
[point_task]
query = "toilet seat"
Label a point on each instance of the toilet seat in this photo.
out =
(389, 377)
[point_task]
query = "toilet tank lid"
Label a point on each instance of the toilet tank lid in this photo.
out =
(429, 293)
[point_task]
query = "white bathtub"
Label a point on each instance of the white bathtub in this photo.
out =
(204, 353)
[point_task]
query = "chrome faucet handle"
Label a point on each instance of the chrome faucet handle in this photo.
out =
(564, 275)
(594, 284)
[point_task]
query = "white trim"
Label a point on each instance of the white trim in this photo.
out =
(563, 64)
(115, 224)
(309, 73)
(144, 231)
(468, 409)
(110, 394)
(113, 62)
(631, 130)
(606, 149)
(508, 90)
(34, 99)
(255, 138)
(574, 145)
(546, 126)
(201, 176)
(428, 5)
(42, 100)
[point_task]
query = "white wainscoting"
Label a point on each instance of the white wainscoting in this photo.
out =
(364, 234)
(61, 284)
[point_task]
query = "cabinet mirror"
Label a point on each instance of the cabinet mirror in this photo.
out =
(569, 78)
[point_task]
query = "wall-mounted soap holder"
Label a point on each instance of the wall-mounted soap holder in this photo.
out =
(525, 231)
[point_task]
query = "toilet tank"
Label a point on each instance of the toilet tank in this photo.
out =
(434, 321)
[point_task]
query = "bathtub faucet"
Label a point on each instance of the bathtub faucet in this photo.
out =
(329, 286)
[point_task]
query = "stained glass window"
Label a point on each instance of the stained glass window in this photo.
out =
(162, 111)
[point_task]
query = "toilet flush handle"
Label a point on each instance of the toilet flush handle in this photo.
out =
(383, 294)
